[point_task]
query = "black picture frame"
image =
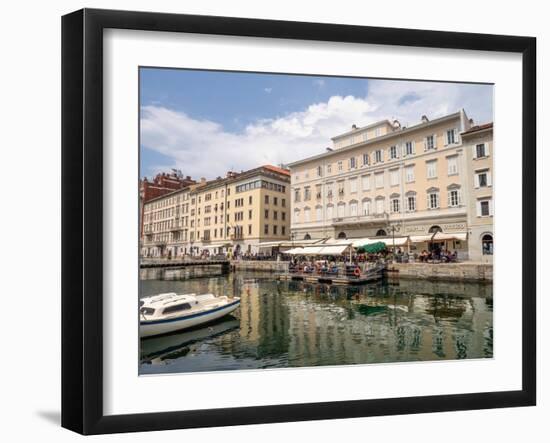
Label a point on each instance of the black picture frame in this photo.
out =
(82, 218)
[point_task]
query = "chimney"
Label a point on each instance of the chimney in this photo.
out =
(471, 121)
(396, 124)
(203, 180)
(329, 149)
(354, 127)
(425, 119)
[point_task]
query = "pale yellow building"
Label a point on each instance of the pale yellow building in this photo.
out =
(385, 179)
(232, 214)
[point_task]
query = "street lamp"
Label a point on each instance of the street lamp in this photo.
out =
(394, 229)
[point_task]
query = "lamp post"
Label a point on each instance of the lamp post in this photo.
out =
(394, 229)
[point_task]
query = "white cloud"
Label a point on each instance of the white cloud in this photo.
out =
(203, 148)
(268, 90)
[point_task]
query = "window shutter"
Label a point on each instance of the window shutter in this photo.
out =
(491, 207)
(478, 208)
(435, 140)
(413, 147)
(403, 149)
(474, 151)
(489, 179)
(455, 134)
(487, 149)
(426, 144)
(449, 199)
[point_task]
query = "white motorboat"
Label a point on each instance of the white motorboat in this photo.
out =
(165, 313)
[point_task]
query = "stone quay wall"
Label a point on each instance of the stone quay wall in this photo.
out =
(479, 272)
(259, 265)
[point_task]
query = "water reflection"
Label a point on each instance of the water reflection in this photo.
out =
(295, 324)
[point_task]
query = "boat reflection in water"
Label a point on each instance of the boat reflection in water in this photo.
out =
(297, 324)
(156, 350)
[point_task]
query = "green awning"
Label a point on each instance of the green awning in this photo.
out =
(372, 248)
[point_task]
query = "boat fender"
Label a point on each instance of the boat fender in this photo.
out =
(356, 272)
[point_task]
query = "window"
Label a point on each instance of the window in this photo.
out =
(176, 308)
(250, 214)
(451, 136)
(454, 198)
(482, 179)
(283, 230)
(250, 200)
(409, 173)
(365, 183)
(365, 159)
(378, 156)
(487, 244)
(353, 209)
(329, 212)
(266, 229)
(409, 148)
(395, 204)
(283, 202)
(352, 163)
(452, 165)
(433, 200)
(480, 150)
(266, 199)
(296, 216)
(430, 142)
(353, 185)
(393, 152)
(431, 169)
(366, 207)
(485, 208)
(296, 195)
(275, 215)
(411, 203)
(330, 190)
(380, 206)
(341, 189)
(394, 177)
(274, 229)
(266, 213)
(318, 213)
(307, 194)
(319, 171)
(329, 169)
(379, 180)
(340, 167)
(341, 210)
(307, 214)
(283, 216)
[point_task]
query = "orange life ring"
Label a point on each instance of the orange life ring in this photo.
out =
(356, 272)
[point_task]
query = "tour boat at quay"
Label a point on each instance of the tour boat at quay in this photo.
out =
(169, 312)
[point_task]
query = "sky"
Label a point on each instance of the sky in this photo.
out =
(206, 123)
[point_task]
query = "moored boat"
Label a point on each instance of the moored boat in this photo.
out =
(166, 313)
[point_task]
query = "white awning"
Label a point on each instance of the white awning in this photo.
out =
(421, 238)
(334, 250)
(398, 241)
(319, 250)
(441, 236)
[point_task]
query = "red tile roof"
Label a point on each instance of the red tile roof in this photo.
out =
(479, 128)
(277, 169)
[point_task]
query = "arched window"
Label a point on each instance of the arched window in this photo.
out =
(342, 235)
(435, 229)
(307, 237)
(487, 244)
(381, 233)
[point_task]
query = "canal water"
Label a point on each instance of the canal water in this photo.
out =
(295, 324)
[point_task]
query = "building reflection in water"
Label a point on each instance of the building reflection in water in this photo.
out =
(295, 324)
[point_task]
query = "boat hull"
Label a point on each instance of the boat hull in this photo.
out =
(160, 327)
